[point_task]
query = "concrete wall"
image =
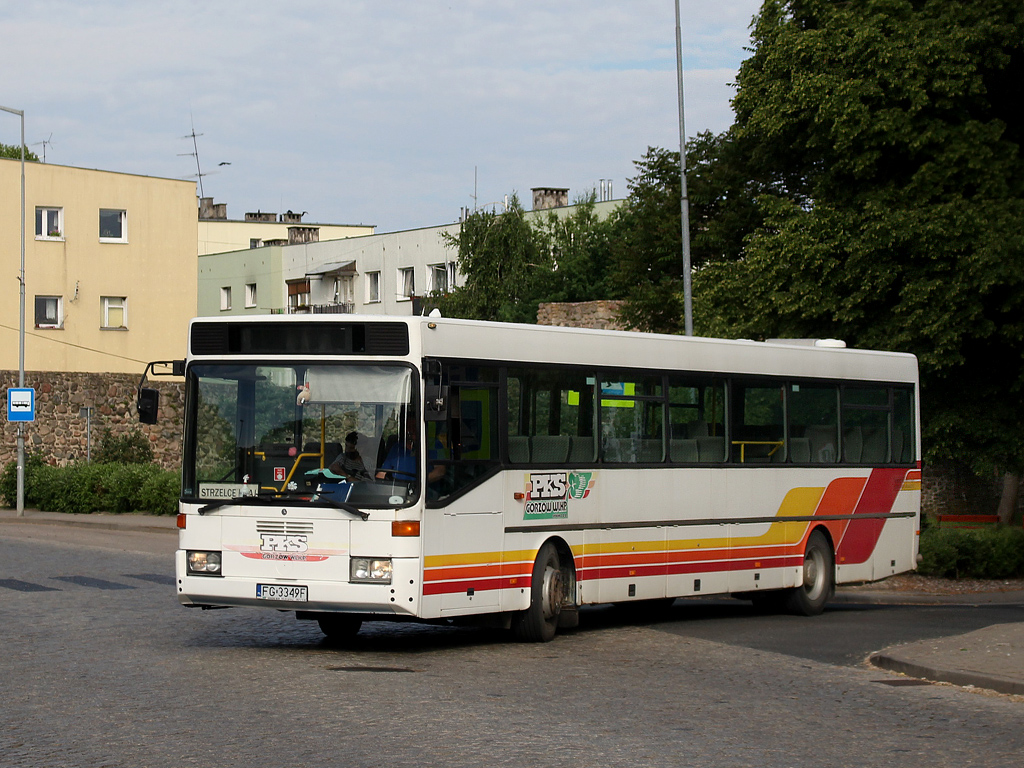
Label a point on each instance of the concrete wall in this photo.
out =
(59, 433)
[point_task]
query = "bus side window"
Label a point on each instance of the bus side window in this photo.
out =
(550, 417)
(814, 424)
(696, 416)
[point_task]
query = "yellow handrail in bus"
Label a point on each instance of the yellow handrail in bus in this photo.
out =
(744, 443)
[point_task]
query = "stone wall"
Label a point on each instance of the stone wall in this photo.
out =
(59, 433)
(583, 314)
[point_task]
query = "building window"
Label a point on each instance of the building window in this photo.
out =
(406, 283)
(250, 295)
(298, 297)
(437, 279)
(115, 312)
(372, 287)
(113, 226)
(49, 223)
(49, 312)
(225, 298)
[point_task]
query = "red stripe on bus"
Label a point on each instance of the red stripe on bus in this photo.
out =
(861, 537)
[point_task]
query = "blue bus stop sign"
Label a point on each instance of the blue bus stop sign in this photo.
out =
(21, 404)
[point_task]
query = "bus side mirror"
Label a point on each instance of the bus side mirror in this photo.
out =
(148, 404)
(435, 406)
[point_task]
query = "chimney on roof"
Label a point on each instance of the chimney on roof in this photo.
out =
(292, 218)
(260, 216)
(549, 197)
(209, 210)
(300, 235)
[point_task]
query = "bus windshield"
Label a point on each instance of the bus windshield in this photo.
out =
(332, 432)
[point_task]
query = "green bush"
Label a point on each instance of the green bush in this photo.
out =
(9, 478)
(996, 552)
(130, 448)
(84, 488)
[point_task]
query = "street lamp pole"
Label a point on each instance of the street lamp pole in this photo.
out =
(684, 199)
(21, 319)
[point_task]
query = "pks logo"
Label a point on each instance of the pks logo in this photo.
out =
(548, 493)
(551, 485)
(281, 542)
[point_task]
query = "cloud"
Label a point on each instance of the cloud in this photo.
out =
(363, 111)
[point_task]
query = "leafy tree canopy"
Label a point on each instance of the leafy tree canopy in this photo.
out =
(887, 135)
(513, 261)
(14, 151)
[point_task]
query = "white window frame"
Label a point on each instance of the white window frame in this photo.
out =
(373, 287)
(123, 217)
(405, 287)
(107, 303)
(43, 230)
(225, 298)
(433, 272)
(59, 312)
(250, 295)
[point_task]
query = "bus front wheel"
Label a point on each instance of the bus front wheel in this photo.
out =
(809, 598)
(538, 623)
(339, 627)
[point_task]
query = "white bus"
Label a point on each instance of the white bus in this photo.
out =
(355, 468)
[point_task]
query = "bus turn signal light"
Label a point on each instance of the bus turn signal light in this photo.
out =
(181, 521)
(405, 528)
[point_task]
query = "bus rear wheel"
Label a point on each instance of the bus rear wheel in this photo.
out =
(817, 587)
(339, 627)
(539, 622)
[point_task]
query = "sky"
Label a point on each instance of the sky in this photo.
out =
(391, 113)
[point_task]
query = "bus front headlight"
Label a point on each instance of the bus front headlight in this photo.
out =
(203, 563)
(370, 570)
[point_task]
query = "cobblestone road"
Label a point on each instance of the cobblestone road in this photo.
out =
(101, 667)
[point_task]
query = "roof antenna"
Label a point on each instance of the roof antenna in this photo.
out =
(44, 142)
(195, 154)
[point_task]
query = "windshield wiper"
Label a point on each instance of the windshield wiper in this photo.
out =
(270, 501)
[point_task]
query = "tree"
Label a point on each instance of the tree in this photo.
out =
(13, 151)
(498, 254)
(647, 233)
(512, 264)
(887, 133)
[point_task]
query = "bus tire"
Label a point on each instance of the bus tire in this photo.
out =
(810, 597)
(539, 622)
(339, 627)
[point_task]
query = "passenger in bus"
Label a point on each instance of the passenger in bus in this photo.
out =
(349, 463)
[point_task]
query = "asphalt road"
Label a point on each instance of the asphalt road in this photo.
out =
(102, 667)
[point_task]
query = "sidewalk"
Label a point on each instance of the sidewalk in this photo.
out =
(129, 522)
(991, 658)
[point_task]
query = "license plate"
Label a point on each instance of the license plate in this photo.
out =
(287, 592)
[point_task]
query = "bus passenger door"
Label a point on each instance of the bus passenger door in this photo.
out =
(473, 523)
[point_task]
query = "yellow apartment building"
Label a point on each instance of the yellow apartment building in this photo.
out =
(110, 268)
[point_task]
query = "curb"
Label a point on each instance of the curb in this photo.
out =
(953, 676)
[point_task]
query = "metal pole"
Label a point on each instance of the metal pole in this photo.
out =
(684, 199)
(21, 332)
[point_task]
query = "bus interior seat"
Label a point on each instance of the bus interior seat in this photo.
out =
(684, 450)
(612, 449)
(900, 447)
(519, 449)
(874, 446)
(550, 449)
(822, 438)
(711, 449)
(853, 445)
(581, 449)
(800, 450)
(652, 450)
